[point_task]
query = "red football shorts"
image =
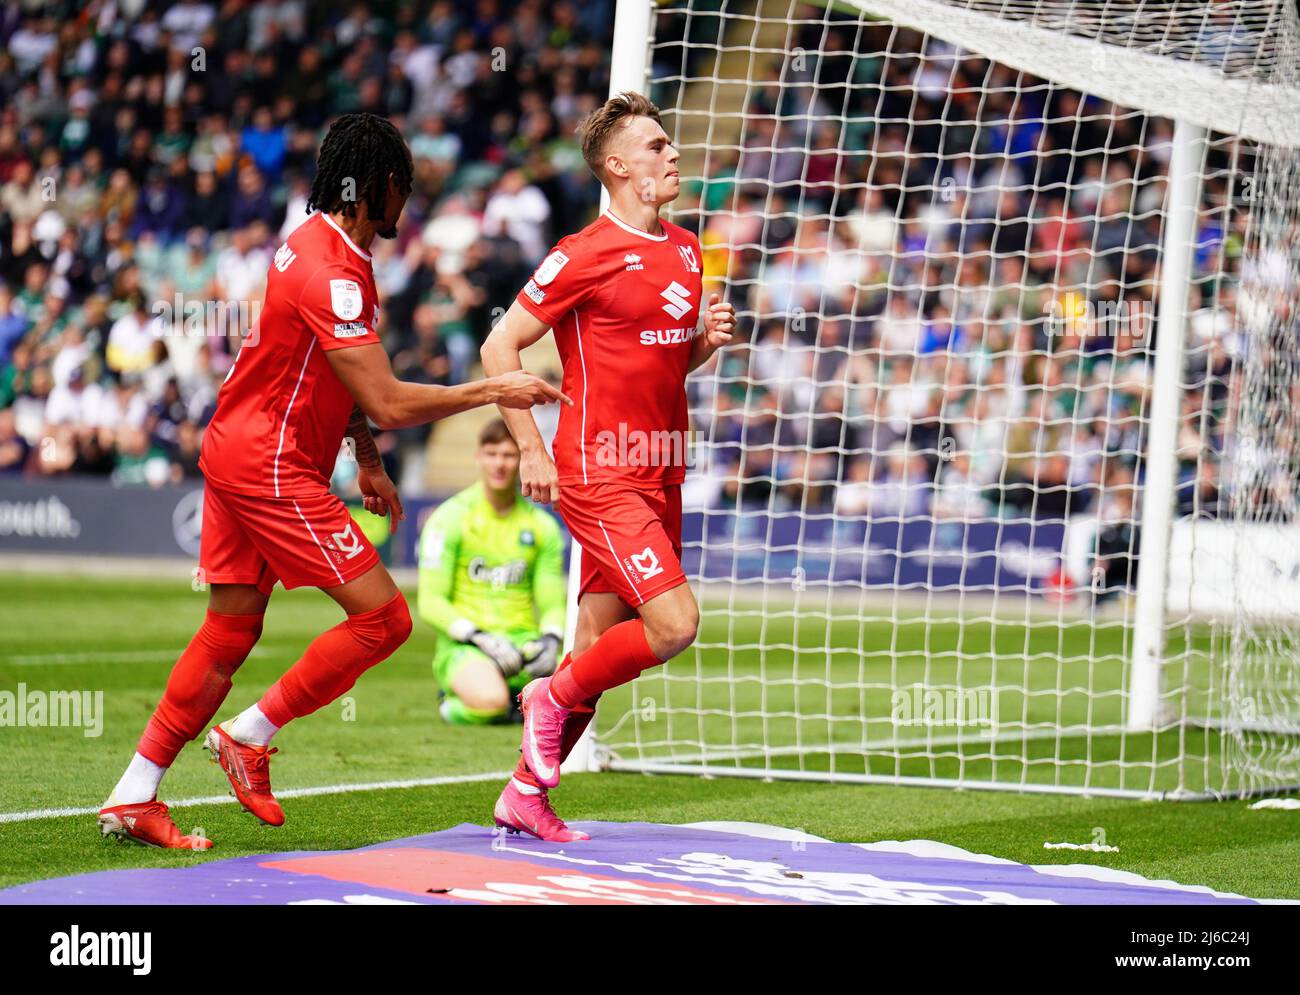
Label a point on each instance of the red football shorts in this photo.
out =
(299, 541)
(631, 539)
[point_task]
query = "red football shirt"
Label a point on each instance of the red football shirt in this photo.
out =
(624, 305)
(282, 411)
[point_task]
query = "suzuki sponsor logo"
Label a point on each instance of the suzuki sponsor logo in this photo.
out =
(667, 336)
(676, 295)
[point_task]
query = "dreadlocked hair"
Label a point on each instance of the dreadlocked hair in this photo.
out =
(363, 149)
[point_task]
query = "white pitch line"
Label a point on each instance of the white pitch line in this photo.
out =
(329, 789)
(107, 656)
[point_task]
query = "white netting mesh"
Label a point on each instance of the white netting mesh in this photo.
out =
(915, 521)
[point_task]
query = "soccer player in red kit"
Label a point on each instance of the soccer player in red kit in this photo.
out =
(310, 373)
(624, 299)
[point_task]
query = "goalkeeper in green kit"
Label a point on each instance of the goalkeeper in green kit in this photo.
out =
(492, 585)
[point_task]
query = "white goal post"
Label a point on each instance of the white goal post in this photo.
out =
(1001, 488)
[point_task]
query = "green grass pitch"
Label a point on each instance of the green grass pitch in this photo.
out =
(120, 637)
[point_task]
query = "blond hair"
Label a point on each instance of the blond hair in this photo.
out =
(596, 127)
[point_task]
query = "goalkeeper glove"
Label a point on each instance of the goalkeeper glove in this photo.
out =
(542, 655)
(498, 649)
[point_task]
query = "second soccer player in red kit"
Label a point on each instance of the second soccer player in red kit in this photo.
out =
(312, 371)
(624, 298)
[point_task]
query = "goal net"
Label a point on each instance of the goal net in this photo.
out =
(998, 487)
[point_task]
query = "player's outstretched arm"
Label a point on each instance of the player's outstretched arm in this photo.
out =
(391, 403)
(516, 331)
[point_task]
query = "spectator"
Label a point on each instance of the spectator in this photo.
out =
(252, 201)
(139, 462)
(241, 267)
(13, 326)
(23, 197)
(132, 337)
(266, 143)
(519, 210)
(14, 449)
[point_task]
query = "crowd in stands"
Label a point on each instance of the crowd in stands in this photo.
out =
(154, 156)
(945, 310)
(954, 294)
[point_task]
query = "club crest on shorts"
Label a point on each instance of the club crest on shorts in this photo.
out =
(347, 542)
(646, 563)
(550, 268)
(345, 298)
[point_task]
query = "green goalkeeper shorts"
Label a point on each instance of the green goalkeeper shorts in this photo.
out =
(450, 656)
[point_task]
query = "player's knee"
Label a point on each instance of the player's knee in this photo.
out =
(492, 702)
(227, 640)
(248, 637)
(383, 630)
(399, 623)
(459, 713)
(670, 636)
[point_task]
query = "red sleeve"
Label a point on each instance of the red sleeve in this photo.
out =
(335, 307)
(562, 282)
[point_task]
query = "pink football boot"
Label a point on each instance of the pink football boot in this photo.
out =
(517, 812)
(543, 731)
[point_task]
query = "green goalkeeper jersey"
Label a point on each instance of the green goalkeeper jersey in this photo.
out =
(504, 573)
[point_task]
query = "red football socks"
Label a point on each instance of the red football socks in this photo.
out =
(198, 684)
(619, 655)
(335, 659)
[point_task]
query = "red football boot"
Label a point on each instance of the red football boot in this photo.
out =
(148, 823)
(249, 770)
